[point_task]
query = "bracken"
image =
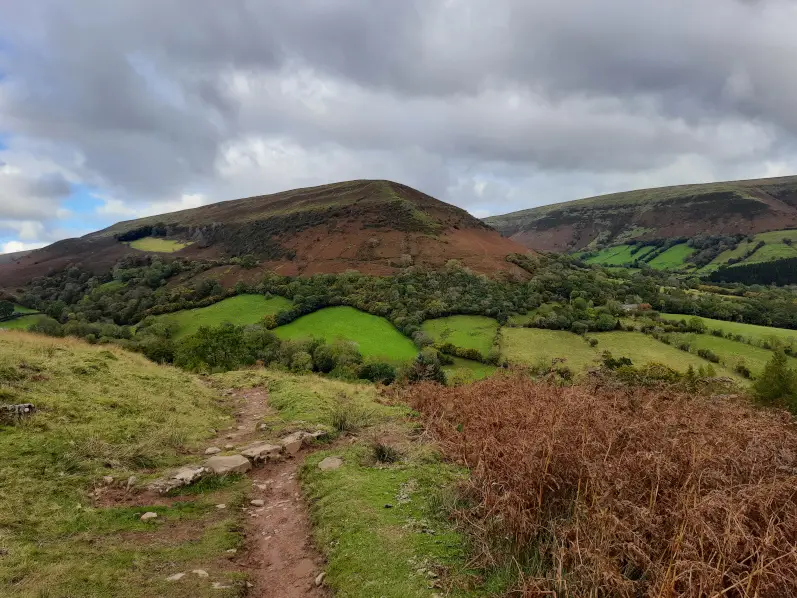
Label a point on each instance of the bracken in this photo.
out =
(604, 491)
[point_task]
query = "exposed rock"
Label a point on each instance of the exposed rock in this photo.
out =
(217, 585)
(259, 453)
(320, 578)
(257, 502)
(108, 479)
(293, 442)
(221, 506)
(229, 447)
(131, 481)
(185, 476)
(212, 450)
(149, 515)
(221, 465)
(330, 463)
(200, 572)
(175, 577)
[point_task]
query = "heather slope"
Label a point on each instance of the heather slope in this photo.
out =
(747, 207)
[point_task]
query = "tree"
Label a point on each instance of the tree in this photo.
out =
(777, 382)
(6, 309)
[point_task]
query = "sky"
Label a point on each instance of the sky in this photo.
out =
(114, 110)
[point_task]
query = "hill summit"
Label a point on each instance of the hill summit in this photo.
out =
(746, 207)
(373, 226)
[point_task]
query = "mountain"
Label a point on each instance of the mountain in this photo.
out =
(373, 226)
(746, 207)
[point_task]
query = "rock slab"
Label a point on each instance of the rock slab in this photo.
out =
(330, 463)
(260, 453)
(221, 465)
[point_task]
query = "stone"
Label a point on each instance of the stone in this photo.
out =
(200, 573)
(185, 476)
(221, 506)
(257, 502)
(131, 481)
(222, 465)
(319, 580)
(217, 585)
(175, 577)
(108, 479)
(260, 453)
(212, 450)
(330, 463)
(229, 447)
(293, 442)
(263, 427)
(149, 515)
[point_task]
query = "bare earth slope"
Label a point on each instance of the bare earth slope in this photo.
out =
(751, 206)
(372, 226)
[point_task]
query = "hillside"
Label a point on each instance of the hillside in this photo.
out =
(736, 207)
(375, 227)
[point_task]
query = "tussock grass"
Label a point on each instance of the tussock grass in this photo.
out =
(101, 412)
(616, 492)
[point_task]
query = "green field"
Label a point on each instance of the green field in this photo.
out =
(530, 346)
(673, 258)
(21, 309)
(241, 310)
(753, 331)
(641, 349)
(375, 336)
(157, 245)
(22, 323)
(769, 252)
(467, 332)
(731, 352)
(463, 371)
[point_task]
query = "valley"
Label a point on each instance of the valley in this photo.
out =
(270, 406)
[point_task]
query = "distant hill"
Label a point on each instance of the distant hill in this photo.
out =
(7, 258)
(736, 207)
(373, 226)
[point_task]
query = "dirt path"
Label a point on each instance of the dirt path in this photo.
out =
(279, 555)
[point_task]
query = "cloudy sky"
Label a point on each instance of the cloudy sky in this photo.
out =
(110, 110)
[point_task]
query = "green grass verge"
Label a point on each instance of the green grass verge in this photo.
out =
(157, 245)
(467, 332)
(241, 310)
(103, 412)
(758, 333)
(463, 371)
(21, 309)
(375, 336)
(673, 258)
(529, 346)
(619, 255)
(770, 252)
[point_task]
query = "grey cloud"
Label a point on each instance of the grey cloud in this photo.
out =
(543, 99)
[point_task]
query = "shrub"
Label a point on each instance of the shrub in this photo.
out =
(384, 453)
(377, 371)
(426, 367)
(743, 371)
(709, 355)
(777, 382)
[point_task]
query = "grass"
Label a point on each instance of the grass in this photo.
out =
(463, 371)
(352, 526)
(157, 245)
(102, 412)
(529, 346)
(375, 336)
(22, 323)
(731, 352)
(673, 258)
(618, 255)
(771, 251)
(641, 349)
(467, 332)
(21, 309)
(241, 309)
(758, 333)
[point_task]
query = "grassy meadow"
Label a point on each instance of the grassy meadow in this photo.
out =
(758, 333)
(673, 258)
(375, 336)
(241, 310)
(103, 412)
(464, 371)
(530, 346)
(731, 353)
(467, 332)
(158, 245)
